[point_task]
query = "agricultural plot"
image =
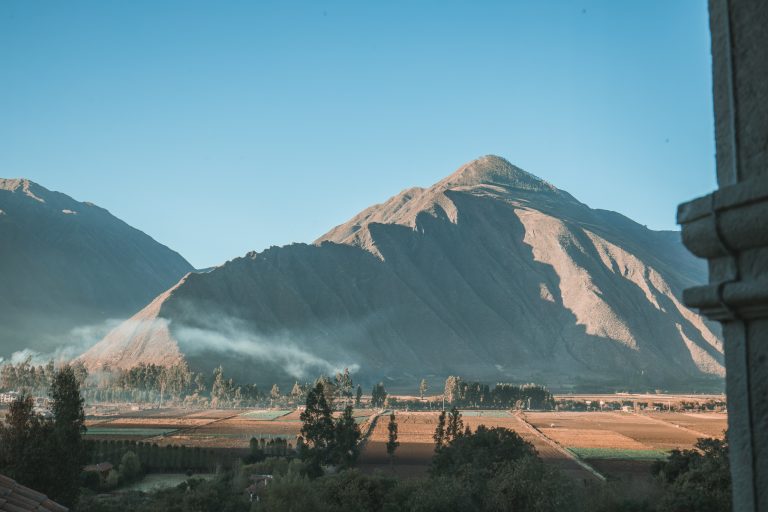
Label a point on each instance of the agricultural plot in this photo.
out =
(548, 451)
(412, 458)
(265, 415)
(415, 431)
(616, 453)
(134, 433)
(234, 432)
(360, 415)
(634, 430)
(707, 424)
(621, 445)
(161, 423)
(486, 414)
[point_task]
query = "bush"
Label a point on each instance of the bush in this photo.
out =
(130, 467)
(697, 479)
(527, 484)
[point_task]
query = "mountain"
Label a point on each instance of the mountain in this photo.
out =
(491, 274)
(66, 265)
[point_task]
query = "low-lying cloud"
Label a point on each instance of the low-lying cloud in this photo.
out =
(68, 346)
(280, 351)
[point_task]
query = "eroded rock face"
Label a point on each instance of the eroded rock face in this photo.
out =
(66, 264)
(492, 273)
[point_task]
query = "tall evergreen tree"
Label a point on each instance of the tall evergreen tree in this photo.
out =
(317, 428)
(68, 430)
(358, 396)
(378, 395)
(439, 436)
(346, 438)
(392, 442)
(455, 427)
(25, 441)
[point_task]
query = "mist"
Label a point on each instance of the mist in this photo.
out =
(282, 351)
(68, 347)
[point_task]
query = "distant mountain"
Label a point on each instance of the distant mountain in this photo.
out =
(491, 274)
(66, 264)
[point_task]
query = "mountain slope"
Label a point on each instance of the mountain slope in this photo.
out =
(66, 264)
(492, 273)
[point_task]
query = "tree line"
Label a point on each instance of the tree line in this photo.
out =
(470, 394)
(47, 454)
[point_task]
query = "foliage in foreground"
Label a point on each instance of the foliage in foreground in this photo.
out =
(490, 470)
(696, 479)
(47, 455)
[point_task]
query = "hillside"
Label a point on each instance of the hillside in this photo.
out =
(66, 265)
(491, 273)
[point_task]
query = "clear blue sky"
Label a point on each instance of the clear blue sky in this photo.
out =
(224, 127)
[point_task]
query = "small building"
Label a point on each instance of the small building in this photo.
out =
(103, 468)
(8, 397)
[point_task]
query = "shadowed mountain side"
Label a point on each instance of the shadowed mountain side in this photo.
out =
(492, 274)
(65, 264)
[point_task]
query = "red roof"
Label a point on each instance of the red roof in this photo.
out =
(17, 498)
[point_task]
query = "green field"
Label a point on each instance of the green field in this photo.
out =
(257, 435)
(487, 414)
(129, 431)
(613, 453)
(265, 415)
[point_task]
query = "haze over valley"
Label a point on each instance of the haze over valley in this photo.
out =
(492, 273)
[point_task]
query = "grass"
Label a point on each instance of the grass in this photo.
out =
(257, 435)
(617, 453)
(265, 415)
(487, 414)
(156, 481)
(130, 431)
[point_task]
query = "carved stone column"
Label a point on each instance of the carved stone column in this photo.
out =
(730, 229)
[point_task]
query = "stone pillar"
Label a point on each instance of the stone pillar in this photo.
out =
(730, 229)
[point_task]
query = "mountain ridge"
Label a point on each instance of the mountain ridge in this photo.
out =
(491, 273)
(66, 264)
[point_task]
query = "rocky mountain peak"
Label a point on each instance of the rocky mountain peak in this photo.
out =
(495, 170)
(27, 187)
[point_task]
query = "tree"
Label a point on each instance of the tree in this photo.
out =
(68, 445)
(296, 391)
(455, 426)
(130, 467)
(698, 479)
(219, 387)
(358, 396)
(200, 386)
(451, 392)
(274, 394)
(346, 438)
(317, 428)
(24, 445)
(329, 389)
(528, 483)
(422, 388)
(392, 442)
(378, 395)
(439, 436)
(483, 451)
(344, 384)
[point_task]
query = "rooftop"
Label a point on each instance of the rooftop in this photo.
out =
(17, 498)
